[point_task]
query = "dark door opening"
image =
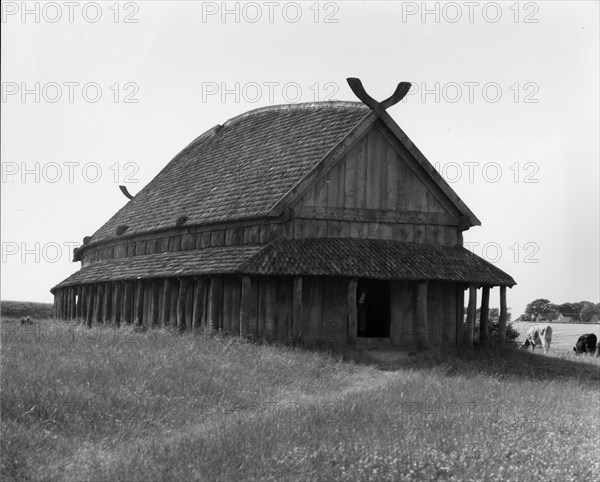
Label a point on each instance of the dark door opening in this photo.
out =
(373, 308)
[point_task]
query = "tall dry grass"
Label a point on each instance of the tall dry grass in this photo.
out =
(106, 404)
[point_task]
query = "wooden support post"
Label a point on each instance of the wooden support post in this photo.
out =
(173, 302)
(421, 315)
(212, 320)
(79, 302)
(165, 302)
(67, 302)
(199, 303)
(154, 290)
(181, 299)
(245, 302)
(87, 305)
(484, 316)
(352, 312)
(139, 302)
(127, 301)
(58, 297)
(115, 315)
(460, 315)
(503, 315)
(68, 305)
(471, 313)
(189, 303)
(98, 303)
(296, 323)
(107, 303)
(73, 302)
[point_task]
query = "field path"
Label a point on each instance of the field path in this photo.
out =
(290, 405)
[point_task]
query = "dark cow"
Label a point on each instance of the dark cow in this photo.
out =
(586, 344)
(26, 320)
(538, 336)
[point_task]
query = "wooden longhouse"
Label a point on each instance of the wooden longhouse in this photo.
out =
(311, 222)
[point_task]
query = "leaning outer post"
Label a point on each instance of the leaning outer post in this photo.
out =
(181, 298)
(72, 300)
(460, 315)
(90, 305)
(471, 312)
(98, 303)
(484, 316)
(107, 303)
(68, 303)
(503, 315)
(57, 304)
(116, 303)
(139, 301)
(173, 302)
(199, 315)
(127, 296)
(165, 305)
(211, 319)
(79, 302)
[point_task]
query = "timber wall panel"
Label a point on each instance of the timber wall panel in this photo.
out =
(335, 310)
(312, 314)
(374, 175)
(283, 308)
(401, 311)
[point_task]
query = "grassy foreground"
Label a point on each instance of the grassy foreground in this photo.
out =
(108, 404)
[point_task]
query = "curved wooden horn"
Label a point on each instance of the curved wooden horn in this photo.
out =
(401, 91)
(360, 92)
(125, 192)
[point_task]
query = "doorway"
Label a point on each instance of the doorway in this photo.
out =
(373, 308)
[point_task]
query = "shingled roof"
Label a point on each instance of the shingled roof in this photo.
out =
(364, 258)
(239, 170)
(374, 258)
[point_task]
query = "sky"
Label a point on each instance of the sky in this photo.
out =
(505, 104)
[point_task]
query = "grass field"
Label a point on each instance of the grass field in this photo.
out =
(108, 404)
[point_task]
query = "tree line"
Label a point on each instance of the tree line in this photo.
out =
(581, 311)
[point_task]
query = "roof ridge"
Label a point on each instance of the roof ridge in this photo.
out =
(298, 106)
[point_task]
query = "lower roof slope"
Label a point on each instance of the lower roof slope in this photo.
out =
(356, 258)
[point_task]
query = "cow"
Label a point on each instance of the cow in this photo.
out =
(586, 344)
(537, 335)
(26, 320)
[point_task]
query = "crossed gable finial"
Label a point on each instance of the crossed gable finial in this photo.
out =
(360, 92)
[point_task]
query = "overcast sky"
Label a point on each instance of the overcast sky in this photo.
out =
(505, 104)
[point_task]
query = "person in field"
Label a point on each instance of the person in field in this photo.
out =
(538, 335)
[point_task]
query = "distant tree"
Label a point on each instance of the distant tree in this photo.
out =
(571, 308)
(589, 310)
(541, 306)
